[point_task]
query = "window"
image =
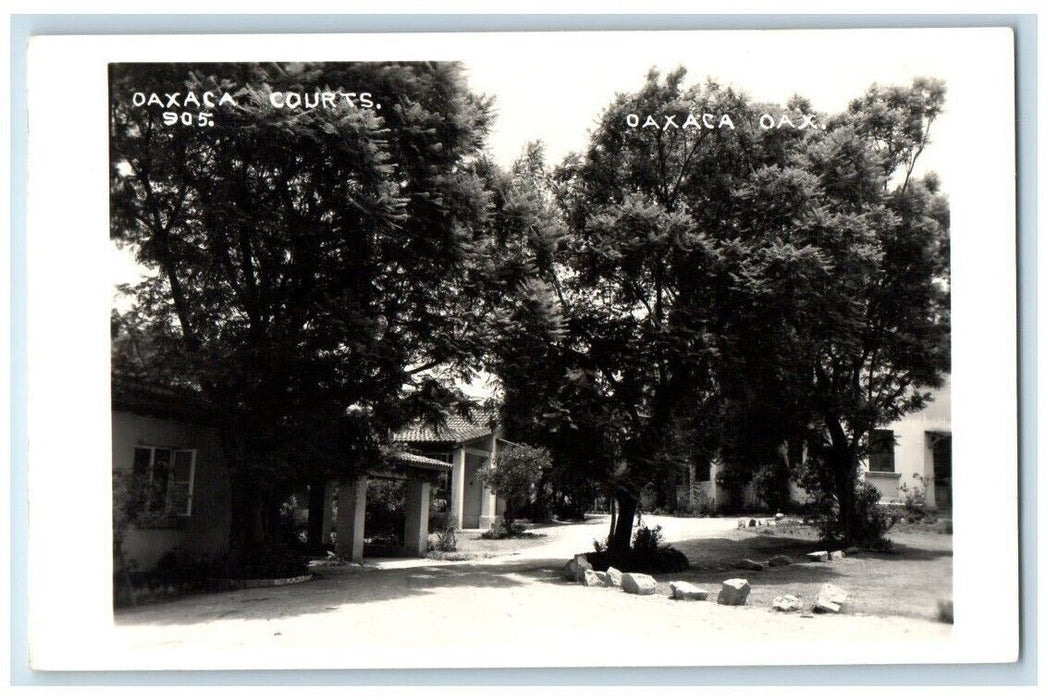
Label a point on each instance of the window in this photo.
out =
(882, 451)
(702, 470)
(166, 474)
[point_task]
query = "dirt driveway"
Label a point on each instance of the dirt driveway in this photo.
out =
(511, 610)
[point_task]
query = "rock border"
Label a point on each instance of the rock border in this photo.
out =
(241, 583)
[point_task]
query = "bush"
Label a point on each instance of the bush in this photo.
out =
(445, 540)
(647, 555)
(516, 472)
(915, 499)
(872, 520)
(508, 530)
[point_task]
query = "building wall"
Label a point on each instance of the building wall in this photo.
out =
(913, 450)
(204, 532)
(914, 466)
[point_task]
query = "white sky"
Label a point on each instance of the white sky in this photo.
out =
(543, 97)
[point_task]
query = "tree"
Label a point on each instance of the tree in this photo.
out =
(518, 469)
(295, 252)
(767, 295)
(845, 291)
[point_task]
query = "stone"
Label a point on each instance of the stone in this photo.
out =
(575, 569)
(638, 584)
(749, 565)
(835, 555)
(780, 560)
(830, 598)
(818, 556)
(851, 551)
(582, 565)
(753, 523)
(780, 516)
(946, 610)
(787, 603)
(614, 577)
(742, 523)
(594, 578)
(734, 591)
(682, 590)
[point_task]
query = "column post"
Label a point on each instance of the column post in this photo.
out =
(349, 527)
(458, 484)
(329, 503)
(487, 498)
(416, 520)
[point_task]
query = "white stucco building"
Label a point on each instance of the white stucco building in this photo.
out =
(911, 455)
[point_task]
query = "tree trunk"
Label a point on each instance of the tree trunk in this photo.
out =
(845, 480)
(611, 511)
(315, 524)
(623, 534)
(245, 507)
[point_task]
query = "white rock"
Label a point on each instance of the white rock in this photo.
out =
(593, 578)
(614, 577)
(682, 590)
(830, 598)
(734, 591)
(638, 584)
(787, 603)
(819, 556)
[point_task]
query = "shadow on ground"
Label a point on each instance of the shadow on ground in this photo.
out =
(908, 581)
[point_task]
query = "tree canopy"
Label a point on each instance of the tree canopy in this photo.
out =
(313, 268)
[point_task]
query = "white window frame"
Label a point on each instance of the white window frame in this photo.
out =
(170, 477)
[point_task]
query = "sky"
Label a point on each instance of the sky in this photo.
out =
(546, 97)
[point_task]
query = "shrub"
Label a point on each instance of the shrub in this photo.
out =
(445, 540)
(915, 499)
(872, 521)
(647, 554)
(514, 475)
(508, 530)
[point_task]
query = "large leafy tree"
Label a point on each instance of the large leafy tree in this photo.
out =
(312, 268)
(758, 294)
(843, 301)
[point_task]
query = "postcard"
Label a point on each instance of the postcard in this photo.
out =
(534, 349)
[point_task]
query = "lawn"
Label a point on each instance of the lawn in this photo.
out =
(908, 581)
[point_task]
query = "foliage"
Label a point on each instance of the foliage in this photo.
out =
(771, 484)
(386, 508)
(445, 540)
(513, 477)
(914, 500)
(292, 256)
(508, 530)
(646, 539)
(869, 527)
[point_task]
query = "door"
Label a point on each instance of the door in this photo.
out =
(942, 465)
(471, 493)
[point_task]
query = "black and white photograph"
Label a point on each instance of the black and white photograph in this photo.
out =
(425, 362)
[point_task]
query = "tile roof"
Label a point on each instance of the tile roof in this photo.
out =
(455, 429)
(420, 461)
(145, 397)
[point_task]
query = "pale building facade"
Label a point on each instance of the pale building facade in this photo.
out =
(912, 456)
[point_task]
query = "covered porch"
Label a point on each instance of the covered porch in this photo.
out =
(420, 475)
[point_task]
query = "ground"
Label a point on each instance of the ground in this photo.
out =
(490, 610)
